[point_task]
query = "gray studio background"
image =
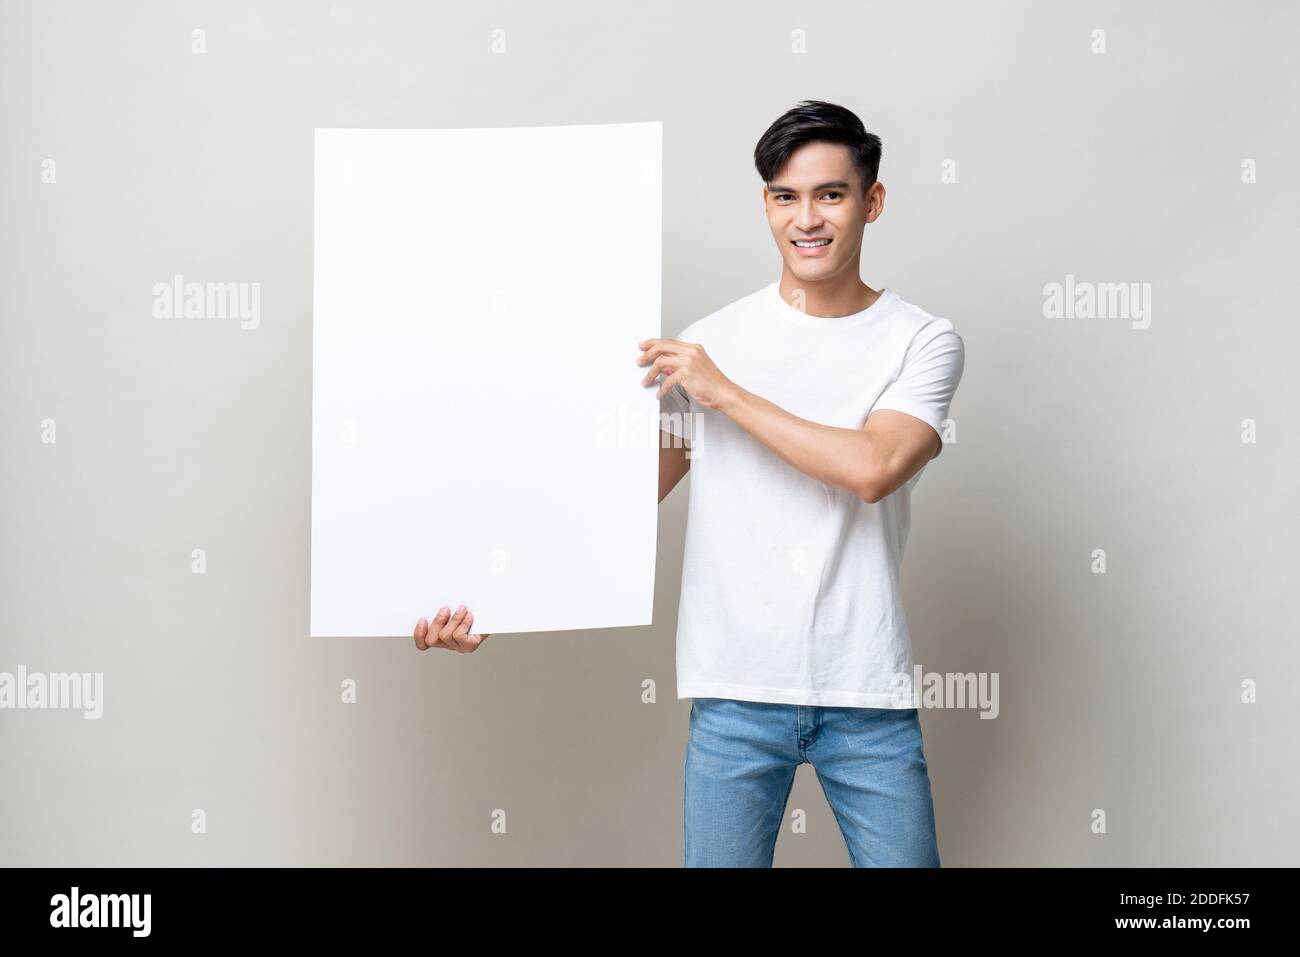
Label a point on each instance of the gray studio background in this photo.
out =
(1119, 691)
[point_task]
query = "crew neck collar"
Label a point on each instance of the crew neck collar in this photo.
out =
(783, 310)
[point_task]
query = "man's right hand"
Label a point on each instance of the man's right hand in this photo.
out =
(447, 630)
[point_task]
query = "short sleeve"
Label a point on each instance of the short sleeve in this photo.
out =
(675, 406)
(674, 410)
(928, 380)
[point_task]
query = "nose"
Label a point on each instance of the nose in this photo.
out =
(808, 220)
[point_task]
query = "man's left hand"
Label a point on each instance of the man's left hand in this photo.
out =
(688, 365)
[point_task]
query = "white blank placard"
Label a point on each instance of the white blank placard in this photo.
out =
(480, 434)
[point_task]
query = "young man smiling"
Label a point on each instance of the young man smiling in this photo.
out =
(791, 630)
(804, 453)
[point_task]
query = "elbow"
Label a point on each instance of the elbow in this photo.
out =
(879, 483)
(871, 490)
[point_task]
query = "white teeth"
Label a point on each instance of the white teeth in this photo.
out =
(809, 244)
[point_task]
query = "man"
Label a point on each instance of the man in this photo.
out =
(791, 631)
(804, 453)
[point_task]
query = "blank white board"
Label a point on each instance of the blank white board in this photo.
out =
(480, 434)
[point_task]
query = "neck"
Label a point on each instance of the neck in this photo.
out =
(831, 298)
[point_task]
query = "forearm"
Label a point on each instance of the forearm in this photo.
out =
(673, 462)
(840, 457)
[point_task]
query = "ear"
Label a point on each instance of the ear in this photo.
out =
(875, 201)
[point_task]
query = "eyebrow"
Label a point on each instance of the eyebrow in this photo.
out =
(833, 184)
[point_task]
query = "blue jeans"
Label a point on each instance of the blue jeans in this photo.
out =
(741, 758)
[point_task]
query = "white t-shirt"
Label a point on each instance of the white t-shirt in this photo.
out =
(790, 586)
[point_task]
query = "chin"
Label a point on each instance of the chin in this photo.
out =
(810, 271)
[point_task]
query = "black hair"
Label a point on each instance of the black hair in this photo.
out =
(814, 121)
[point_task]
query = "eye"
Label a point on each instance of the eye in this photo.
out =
(832, 192)
(783, 195)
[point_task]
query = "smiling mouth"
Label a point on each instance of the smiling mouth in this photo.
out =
(811, 248)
